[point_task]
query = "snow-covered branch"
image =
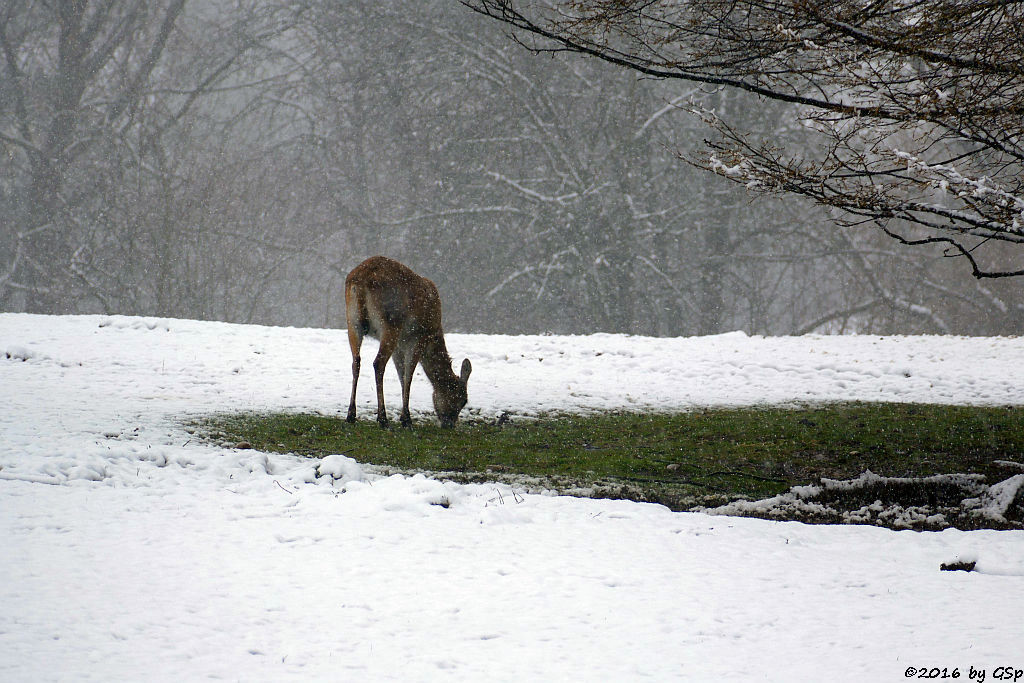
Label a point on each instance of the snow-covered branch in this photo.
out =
(891, 107)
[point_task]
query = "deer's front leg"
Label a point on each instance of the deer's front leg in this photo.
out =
(405, 363)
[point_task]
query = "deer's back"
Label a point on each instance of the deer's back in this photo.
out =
(387, 293)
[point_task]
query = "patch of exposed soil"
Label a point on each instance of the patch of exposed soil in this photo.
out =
(962, 501)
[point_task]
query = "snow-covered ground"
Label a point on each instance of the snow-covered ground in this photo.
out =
(130, 551)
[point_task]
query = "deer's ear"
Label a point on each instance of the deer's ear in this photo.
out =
(467, 368)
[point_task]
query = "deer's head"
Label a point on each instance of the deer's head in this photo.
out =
(450, 397)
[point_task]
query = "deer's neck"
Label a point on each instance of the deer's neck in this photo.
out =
(436, 362)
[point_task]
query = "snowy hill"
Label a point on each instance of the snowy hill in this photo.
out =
(133, 552)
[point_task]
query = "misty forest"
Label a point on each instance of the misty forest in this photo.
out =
(546, 166)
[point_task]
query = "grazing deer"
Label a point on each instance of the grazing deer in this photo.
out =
(386, 300)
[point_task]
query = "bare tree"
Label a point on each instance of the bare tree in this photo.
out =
(918, 106)
(53, 56)
(234, 159)
(551, 188)
(94, 97)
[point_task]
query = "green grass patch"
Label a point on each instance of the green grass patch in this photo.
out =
(681, 460)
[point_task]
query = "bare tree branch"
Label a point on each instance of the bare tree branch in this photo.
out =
(917, 108)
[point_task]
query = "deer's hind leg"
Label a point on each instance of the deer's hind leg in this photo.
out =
(355, 317)
(388, 342)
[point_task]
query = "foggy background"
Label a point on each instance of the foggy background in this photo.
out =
(233, 160)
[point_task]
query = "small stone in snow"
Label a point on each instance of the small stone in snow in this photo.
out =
(958, 566)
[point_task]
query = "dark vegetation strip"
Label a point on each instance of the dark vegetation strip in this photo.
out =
(682, 460)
